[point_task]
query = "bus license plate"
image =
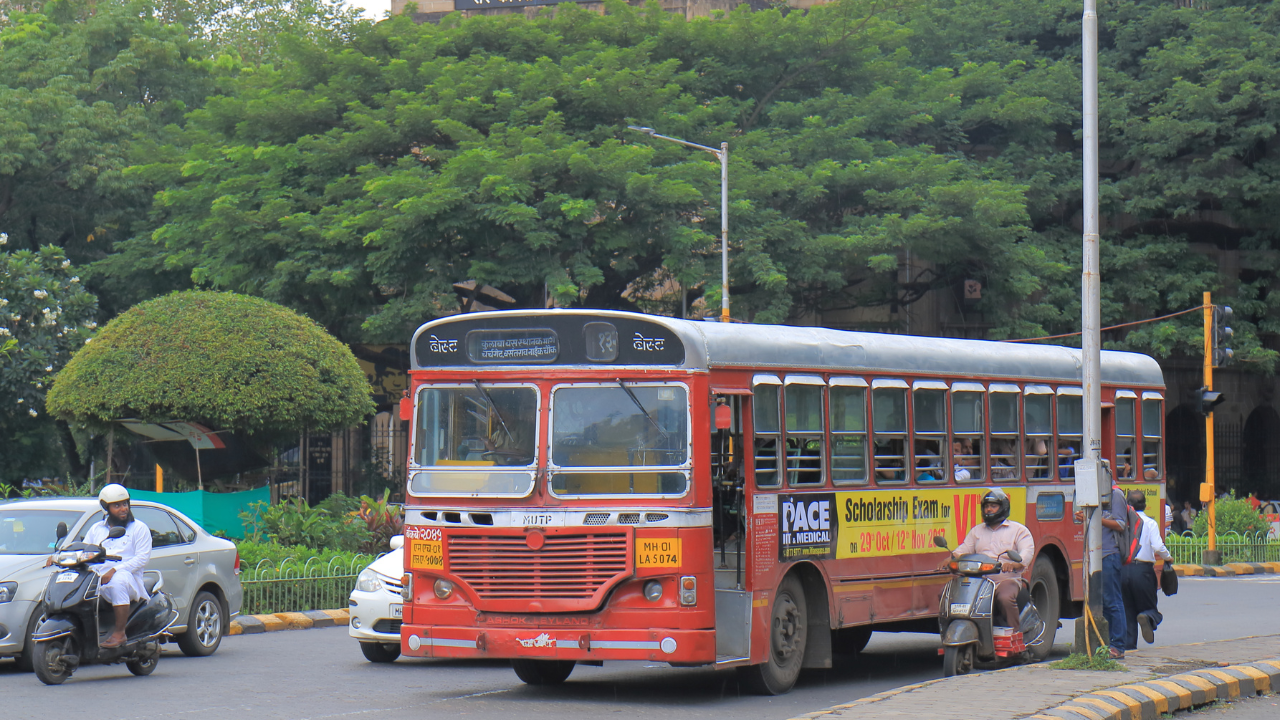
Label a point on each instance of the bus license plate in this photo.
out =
(959, 608)
(397, 610)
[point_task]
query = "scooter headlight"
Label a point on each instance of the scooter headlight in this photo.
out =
(70, 558)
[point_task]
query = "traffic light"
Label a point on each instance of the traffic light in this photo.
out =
(1207, 400)
(1222, 334)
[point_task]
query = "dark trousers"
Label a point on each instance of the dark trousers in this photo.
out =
(1007, 601)
(1138, 586)
(1113, 600)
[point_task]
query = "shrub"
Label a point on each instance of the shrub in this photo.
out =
(293, 522)
(382, 519)
(1233, 515)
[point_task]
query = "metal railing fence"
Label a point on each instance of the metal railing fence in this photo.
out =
(1249, 547)
(295, 586)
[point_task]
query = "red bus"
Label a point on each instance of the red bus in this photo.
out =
(591, 485)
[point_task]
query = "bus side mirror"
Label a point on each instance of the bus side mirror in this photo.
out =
(406, 408)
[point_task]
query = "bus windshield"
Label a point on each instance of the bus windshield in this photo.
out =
(475, 439)
(601, 433)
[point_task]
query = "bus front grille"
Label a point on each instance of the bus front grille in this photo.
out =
(568, 567)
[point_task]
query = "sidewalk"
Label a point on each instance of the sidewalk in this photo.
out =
(1038, 691)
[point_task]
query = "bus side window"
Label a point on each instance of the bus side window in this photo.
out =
(1070, 432)
(848, 420)
(1126, 432)
(1037, 422)
(803, 409)
(930, 425)
(768, 438)
(1005, 431)
(1152, 419)
(968, 431)
(889, 432)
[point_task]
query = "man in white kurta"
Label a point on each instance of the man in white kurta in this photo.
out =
(121, 581)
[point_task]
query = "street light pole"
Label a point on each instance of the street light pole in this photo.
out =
(723, 155)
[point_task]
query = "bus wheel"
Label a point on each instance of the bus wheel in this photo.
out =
(788, 632)
(1044, 594)
(542, 672)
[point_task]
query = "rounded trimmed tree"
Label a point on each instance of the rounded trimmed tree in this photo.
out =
(229, 361)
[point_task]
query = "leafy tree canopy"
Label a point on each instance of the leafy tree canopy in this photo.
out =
(226, 360)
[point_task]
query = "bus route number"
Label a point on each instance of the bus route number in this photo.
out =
(426, 552)
(657, 552)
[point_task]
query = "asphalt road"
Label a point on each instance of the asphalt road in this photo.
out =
(298, 675)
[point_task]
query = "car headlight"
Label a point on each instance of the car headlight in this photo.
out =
(7, 591)
(367, 581)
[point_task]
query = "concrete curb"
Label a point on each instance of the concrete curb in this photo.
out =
(1149, 700)
(251, 624)
(1228, 570)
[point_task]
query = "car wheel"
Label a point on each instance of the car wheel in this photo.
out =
(205, 628)
(380, 652)
(26, 661)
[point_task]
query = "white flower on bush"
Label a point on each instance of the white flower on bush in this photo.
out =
(4, 332)
(75, 278)
(3, 302)
(48, 368)
(40, 294)
(66, 264)
(32, 412)
(4, 239)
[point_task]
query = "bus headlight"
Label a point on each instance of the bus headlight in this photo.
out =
(653, 591)
(443, 589)
(688, 590)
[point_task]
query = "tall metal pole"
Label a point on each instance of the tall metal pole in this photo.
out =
(723, 155)
(724, 231)
(1091, 340)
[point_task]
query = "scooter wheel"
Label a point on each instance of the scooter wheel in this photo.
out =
(957, 661)
(142, 666)
(46, 660)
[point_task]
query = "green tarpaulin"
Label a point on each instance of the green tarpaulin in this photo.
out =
(213, 511)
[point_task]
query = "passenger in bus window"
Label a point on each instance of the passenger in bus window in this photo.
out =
(928, 461)
(890, 459)
(1038, 459)
(1066, 460)
(1004, 468)
(961, 455)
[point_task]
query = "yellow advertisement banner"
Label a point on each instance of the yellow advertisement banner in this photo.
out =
(1152, 491)
(658, 552)
(877, 523)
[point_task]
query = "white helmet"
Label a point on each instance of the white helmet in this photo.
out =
(113, 493)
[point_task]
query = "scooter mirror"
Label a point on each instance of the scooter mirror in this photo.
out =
(115, 532)
(62, 530)
(1014, 556)
(940, 541)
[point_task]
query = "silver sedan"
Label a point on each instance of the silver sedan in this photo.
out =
(200, 571)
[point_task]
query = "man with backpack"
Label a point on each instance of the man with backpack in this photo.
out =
(1139, 576)
(1117, 548)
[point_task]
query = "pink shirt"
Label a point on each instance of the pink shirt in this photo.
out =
(1008, 535)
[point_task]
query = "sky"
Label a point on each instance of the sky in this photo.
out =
(373, 9)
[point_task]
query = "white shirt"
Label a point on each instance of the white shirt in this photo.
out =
(134, 547)
(1149, 543)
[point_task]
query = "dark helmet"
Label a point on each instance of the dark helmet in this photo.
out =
(995, 495)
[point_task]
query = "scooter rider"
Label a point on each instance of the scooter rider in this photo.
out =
(121, 581)
(998, 534)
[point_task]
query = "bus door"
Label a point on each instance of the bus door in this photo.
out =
(729, 527)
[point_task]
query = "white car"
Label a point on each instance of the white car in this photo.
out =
(376, 606)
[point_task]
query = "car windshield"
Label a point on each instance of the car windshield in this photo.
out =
(32, 532)
(601, 433)
(476, 439)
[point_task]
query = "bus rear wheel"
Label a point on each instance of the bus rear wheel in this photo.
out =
(788, 636)
(542, 672)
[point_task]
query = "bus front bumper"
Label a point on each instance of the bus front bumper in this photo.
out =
(693, 647)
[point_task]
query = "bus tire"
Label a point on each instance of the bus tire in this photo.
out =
(1044, 594)
(788, 633)
(542, 672)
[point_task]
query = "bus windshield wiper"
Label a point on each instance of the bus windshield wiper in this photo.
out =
(662, 433)
(493, 407)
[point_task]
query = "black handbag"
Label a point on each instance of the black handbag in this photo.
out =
(1168, 580)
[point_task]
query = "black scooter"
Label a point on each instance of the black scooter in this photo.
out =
(76, 623)
(965, 617)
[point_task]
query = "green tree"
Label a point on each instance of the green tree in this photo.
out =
(45, 315)
(229, 361)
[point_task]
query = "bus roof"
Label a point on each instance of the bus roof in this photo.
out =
(710, 344)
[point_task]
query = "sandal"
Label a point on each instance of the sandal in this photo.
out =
(1117, 654)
